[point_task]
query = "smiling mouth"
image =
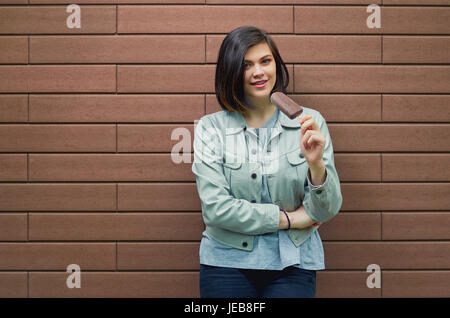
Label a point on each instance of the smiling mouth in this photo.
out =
(259, 83)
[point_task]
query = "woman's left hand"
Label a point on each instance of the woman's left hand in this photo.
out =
(312, 140)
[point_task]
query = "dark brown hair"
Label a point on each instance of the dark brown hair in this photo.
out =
(229, 81)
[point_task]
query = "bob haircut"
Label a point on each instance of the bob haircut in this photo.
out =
(229, 80)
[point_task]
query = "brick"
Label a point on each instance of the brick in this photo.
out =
(358, 167)
(352, 19)
(13, 108)
(13, 227)
(347, 108)
(116, 108)
(117, 285)
(202, 19)
(117, 49)
(57, 197)
(314, 49)
(158, 197)
(57, 138)
(116, 1)
(298, 1)
(115, 226)
(212, 105)
(333, 19)
(390, 137)
(416, 2)
(295, 1)
(395, 196)
(15, 1)
(371, 79)
(412, 167)
(13, 285)
(52, 20)
(171, 256)
(106, 167)
(165, 78)
(162, 1)
(402, 284)
(427, 20)
(416, 226)
(154, 138)
(68, 1)
(344, 284)
(329, 49)
(57, 256)
(58, 78)
(416, 49)
(14, 49)
(416, 108)
(352, 226)
(388, 255)
(13, 167)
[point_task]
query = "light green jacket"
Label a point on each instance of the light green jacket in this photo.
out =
(229, 171)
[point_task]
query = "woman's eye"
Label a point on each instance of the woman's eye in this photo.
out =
(266, 61)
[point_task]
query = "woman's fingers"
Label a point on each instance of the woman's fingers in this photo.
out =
(309, 128)
(308, 138)
(304, 118)
(305, 138)
(307, 123)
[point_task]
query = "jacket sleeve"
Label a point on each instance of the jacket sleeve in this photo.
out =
(219, 207)
(323, 202)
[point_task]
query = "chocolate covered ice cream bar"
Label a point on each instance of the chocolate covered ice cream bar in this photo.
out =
(286, 105)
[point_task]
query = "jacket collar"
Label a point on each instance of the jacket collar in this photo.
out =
(236, 122)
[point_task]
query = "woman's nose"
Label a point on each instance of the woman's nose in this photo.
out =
(258, 71)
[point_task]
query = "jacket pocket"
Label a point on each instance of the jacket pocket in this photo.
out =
(232, 165)
(296, 157)
(232, 170)
(295, 176)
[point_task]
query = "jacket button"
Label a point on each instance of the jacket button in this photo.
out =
(253, 201)
(254, 151)
(254, 175)
(301, 155)
(244, 244)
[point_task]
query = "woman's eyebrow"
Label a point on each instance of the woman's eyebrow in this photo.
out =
(260, 58)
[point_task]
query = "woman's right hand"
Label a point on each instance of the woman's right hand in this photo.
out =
(301, 220)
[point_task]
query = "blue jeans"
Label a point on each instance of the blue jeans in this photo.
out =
(225, 282)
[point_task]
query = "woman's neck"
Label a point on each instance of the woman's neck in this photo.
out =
(256, 118)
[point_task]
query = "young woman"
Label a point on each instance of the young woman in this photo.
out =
(266, 182)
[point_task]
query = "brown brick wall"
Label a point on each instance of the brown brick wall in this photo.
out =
(86, 117)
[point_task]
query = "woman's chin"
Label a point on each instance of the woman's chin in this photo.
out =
(260, 97)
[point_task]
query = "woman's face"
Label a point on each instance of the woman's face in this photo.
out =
(259, 65)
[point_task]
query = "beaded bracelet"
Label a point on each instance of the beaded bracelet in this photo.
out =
(289, 222)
